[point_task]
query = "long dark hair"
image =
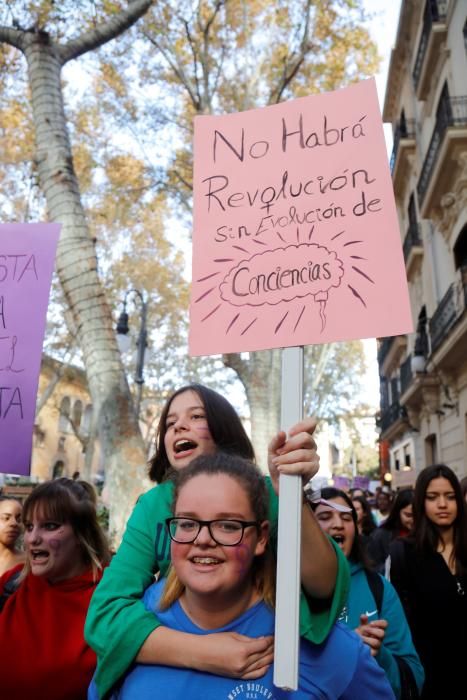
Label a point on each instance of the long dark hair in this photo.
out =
(404, 498)
(368, 523)
(358, 552)
(74, 502)
(426, 534)
(252, 481)
(224, 425)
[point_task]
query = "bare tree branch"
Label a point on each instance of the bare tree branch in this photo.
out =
(13, 37)
(235, 362)
(180, 178)
(119, 23)
(179, 72)
(205, 53)
(293, 63)
(195, 61)
(220, 68)
(49, 390)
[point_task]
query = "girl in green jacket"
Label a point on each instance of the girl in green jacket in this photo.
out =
(197, 420)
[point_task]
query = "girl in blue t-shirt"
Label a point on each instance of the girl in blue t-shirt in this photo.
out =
(222, 579)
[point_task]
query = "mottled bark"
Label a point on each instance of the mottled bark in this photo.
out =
(261, 378)
(116, 422)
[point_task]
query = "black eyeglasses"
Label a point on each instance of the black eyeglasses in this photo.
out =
(225, 532)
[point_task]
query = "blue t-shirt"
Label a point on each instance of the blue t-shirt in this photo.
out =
(341, 667)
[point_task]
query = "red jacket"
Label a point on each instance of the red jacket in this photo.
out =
(43, 655)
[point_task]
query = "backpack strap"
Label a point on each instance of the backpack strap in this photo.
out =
(399, 575)
(376, 585)
(409, 690)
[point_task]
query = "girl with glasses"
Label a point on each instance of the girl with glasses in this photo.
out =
(222, 579)
(198, 421)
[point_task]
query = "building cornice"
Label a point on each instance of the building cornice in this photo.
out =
(401, 54)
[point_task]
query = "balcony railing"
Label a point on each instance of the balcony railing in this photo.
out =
(390, 415)
(404, 130)
(435, 11)
(444, 318)
(452, 112)
(406, 375)
(384, 348)
(412, 239)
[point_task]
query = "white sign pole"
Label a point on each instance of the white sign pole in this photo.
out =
(287, 635)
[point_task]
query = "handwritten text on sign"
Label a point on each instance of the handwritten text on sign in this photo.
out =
(27, 254)
(296, 238)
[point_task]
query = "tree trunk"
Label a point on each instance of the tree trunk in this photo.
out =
(261, 377)
(117, 426)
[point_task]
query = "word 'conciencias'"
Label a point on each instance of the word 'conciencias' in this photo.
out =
(243, 283)
(266, 279)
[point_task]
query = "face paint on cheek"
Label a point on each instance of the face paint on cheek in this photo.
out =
(243, 557)
(178, 551)
(203, 432)
(55, 544)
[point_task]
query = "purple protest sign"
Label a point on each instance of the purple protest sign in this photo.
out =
(27, 256)
(361, 482)
(341, 482)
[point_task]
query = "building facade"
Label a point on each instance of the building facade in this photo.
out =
(62, 441)
(423, 376)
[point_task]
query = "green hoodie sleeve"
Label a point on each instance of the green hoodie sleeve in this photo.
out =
(117, 623)
(316, 616)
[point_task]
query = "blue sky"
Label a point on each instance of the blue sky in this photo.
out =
(383, 29)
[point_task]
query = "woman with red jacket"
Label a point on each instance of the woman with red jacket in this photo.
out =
(42, 648)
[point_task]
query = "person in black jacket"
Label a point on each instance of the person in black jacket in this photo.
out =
(398, 524)
(429, 571)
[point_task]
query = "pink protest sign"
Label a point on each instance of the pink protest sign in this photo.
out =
(296, 238)
(27, 255)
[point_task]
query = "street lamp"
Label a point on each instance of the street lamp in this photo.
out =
(124, 341)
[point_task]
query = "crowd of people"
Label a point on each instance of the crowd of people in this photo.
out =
(185, 607)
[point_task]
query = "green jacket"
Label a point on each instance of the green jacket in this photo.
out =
(118, 623)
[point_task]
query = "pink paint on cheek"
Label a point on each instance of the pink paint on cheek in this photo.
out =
(243, 557)
(203, 432)
(178, 550)
(55, 544)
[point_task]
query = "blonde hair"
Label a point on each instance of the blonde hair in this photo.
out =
(252, 481)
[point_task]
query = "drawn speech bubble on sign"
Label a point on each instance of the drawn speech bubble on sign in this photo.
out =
(310, 270)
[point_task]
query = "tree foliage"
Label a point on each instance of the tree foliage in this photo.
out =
(214, 57)
(220, 57)
(129, 114)
(333, 377)
(52, 39)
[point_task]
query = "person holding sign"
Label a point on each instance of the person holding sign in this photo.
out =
(196, 421)
(222, 580)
